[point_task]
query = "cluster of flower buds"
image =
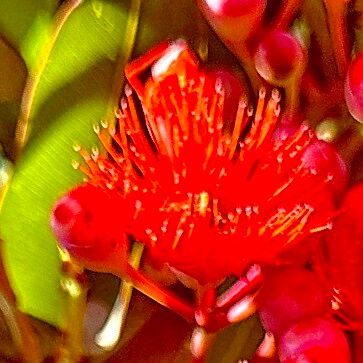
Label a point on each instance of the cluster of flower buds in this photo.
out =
(308, 48)
(214, 188)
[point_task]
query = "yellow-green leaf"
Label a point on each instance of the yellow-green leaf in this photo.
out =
(74, 90)
(26, 24)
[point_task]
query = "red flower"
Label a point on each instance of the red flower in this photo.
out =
(340, 260)
(205, 201)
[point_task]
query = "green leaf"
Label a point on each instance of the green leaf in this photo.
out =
(72, 92)
(165, 19)
(22, 20)
(153, 29)
(78, 44)
(236, 342)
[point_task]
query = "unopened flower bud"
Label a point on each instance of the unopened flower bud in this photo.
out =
(354, 88)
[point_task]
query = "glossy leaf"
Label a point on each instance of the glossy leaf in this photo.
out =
(90, 38)
(237, 342)
(79, 79)
(26, 24)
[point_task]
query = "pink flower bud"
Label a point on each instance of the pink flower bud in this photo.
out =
(354, 88)
(289, 295)
(322, 157)
(233, 20)
(279, 57)
(233, 8)
(314, 340)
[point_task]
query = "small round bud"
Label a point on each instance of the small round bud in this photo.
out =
(233, 8)
(314, 340)
(279, 57)
(233, 20)
(354, 88)
(322, 157)
(289, 295)
(90, 224)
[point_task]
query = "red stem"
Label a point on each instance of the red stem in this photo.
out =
(157, 293)
(336, 11)
(315, 14)
(246, 59)
(287, 13)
